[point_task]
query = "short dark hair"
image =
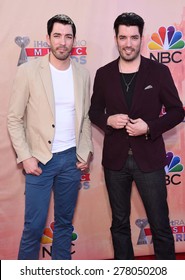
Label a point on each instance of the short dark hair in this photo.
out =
(61, 18)
(129, 19)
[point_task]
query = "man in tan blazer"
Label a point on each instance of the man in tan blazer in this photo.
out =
(51, 133)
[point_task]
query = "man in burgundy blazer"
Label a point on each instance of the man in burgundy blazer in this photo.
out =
(154, 88)
(128, 96)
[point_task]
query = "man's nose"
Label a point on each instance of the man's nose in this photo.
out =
(62, 40)
(128, 42)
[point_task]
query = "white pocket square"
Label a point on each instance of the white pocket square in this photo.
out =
(148, 87)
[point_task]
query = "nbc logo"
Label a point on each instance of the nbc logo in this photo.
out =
(173, 166)
(47, 239)
(167, 39)
(173, 163)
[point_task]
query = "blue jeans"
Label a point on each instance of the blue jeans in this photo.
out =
(60, 175)
(152, 189)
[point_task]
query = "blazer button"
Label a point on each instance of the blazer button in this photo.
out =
(49, 142)
(53, 125)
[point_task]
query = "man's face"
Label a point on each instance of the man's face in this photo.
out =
(61, 40)
(128, 42)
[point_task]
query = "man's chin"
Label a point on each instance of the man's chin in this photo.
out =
(129, 57)
(62, 56)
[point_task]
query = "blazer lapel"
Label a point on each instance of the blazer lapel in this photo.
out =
(78, 86)
(117, 88)
(140, 82)
(47, 81)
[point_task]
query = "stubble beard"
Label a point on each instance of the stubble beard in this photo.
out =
(61, 56)
(130, 58)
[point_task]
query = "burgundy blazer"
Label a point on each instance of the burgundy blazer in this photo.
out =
(154, 89)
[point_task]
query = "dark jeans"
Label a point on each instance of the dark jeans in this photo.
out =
(152, 189)
(61, 175)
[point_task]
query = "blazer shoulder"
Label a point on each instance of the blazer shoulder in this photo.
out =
(33, 64)
(111, 65)
(154, 64)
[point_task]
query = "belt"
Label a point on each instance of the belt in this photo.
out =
(130, 152)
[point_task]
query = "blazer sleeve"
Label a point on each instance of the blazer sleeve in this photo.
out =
(85, 146)
(174, 112)
(97, 112)
(16, 114)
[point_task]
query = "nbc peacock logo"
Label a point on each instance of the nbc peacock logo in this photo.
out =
(47, 239)
(47, 236)
(173, 169)
(166, 39)
(168, 42)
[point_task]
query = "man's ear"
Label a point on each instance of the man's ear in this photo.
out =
(48, 39)
(115, 39)
(74, 42)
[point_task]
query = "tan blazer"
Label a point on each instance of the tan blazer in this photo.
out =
(31, 117)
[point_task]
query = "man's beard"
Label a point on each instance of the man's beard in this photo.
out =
(131, 57)
(61, 56)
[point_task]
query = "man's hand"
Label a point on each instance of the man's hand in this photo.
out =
(118, 121)
(136, 127)
(30, 166)
(82, 165)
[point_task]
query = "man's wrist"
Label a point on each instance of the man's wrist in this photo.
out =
(147, 134)
(108, 121)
